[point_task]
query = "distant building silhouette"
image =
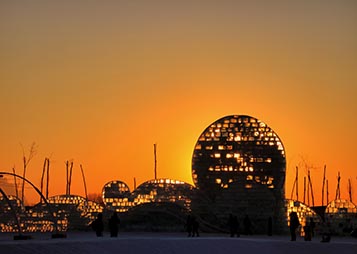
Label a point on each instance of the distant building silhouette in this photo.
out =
(238, 167)
(117, 196)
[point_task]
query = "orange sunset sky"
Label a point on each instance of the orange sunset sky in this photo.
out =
(99, 82)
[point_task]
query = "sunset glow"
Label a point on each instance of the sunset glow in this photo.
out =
(98, 83)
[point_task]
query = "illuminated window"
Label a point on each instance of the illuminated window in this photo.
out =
(237, 138)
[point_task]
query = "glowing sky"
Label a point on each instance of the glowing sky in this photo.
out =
(100, 82)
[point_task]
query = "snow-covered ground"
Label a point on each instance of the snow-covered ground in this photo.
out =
(172, 243)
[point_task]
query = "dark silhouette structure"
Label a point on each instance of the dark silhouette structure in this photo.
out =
(73, 207)
(326, 232)
(57, 233)
(270, 226)
(307, 232)
(188, 226)
(312, 227)
(247, 225)
(117, 196)
(98, 225)
(294, 224)
(341, 215)
(239, 158)
(113, 224)
(238, 167)
(305, 213)
(233, 224)
(195, 227)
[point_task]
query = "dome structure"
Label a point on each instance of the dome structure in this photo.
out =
(116, 196)
(164, 190)
(66, 200)
(304, 212)
(237, 158)
(238, 148)
(340, 208)
(7, 220)
(115, 189)
(69, 209)
(341, 215)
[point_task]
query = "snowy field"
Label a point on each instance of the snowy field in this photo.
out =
(172, 243)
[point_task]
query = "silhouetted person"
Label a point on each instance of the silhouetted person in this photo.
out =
(233, 225)
(294, 224)
(114, 225)
(307, 232)
(195, 226)
(98, 225)
(189, 225)
(270, 226)
(326, 232)
(247, 225)
(312, 227)
(348, 228)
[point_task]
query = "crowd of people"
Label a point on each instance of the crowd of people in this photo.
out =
(192, 226)
(235, 230)
(113, 224)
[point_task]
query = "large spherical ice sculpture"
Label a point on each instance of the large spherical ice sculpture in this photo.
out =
(238, 161)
